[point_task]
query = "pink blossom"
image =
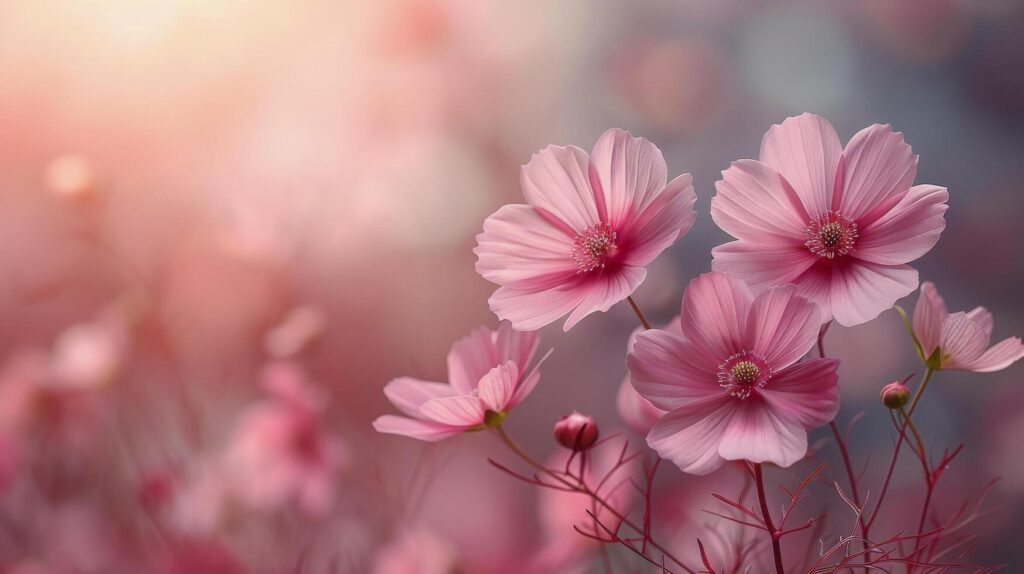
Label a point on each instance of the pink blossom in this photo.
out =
(590, 226)
(731, 381)
(576, 431)
(487, 377)
(840, 224)
(960, 339)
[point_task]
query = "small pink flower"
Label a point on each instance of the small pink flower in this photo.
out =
(840, 224)
(961, 339)
(590, 225)
(487, 377)
(730, 381)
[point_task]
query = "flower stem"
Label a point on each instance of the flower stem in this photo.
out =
(639, 313)
(766, 515)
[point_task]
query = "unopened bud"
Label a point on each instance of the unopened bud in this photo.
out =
(895, 395)
(576, 431)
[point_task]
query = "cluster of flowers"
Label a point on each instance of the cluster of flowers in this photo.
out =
(823, 233)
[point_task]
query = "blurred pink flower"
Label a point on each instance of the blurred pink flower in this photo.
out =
(840, 224)
(731, 382)
(590, 226)
(961, 339)
(299, 329)
(417, 551)
(487, 376)
(90, 354)
(280, 453)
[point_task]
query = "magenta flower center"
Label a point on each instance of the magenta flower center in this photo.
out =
(592, 248)
(742, 373)
(831, 235)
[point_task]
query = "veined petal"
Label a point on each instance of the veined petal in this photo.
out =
(754, 202)
(627, 174)
(408, 394)
(470, 358)
(666, 370)
(961, 342)
(878, 165)
(667, 217)
(807, 392)
(983, 318)
(805, 149)
(530, 310)
(516, 346)
(557, 181)
(861, 290)
(757, 433)
(714, 314)
(519, 248)
(604, 290)
(498, 385)
(690, 436)
(762, 265)
(412, 428)
(998, 357)
(908, 230)
(782, 326)
(460, 411)
(929, 312)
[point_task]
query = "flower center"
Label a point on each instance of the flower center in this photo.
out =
(742, 373)
(831, 235)
(591, 249)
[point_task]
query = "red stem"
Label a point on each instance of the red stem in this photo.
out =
(639, 313)
(775, 534)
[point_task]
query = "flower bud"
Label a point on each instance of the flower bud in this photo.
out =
(576, 431)
(895, 395)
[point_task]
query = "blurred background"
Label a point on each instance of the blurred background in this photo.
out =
(224, 226)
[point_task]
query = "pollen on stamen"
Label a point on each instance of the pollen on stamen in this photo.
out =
(742, 373)
(591, 249)
(831, 235)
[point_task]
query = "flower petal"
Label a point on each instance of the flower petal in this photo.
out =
(470, 358)
(806, 151)
(408, 394)
(929, 312)
(690, 436)
(460, 411)
(983, 318)
(807, 392)
(516, 346)
(666, 371)
(762, 266)
(782, 326)
(627, 174)
(602, 291)
(637, 412)
(529, 310)
(519, 248)
(557, 182)
(528, 382)
(908, 230)
(759, 434)
(412, 428)
(998, 357)
(498, 385)
(754, 202)
(961, 342)
(663, 221)
(714, 315)
(878, 165)
(861, 290)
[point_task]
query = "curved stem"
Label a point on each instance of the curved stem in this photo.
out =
(766, 515)
(639, 313)
(582, 488)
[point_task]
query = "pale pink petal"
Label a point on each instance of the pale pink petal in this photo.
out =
(714, 315)
(861, 290)
(755, 203)
(470, 358)
(690, 435)
(519, 248)
(807, 392)
(528, 382)
(408, 394)
(627, 174)
(603, 290)
(529, 310)
(665, 370)
(982, 317)
(806, 151)
(763, 266)
(498, 385)
(878, 165)
(961, 341)
(462, 411)
(557, 181)
(412, 428)
(782, 326)
(757, 433)
(929, 312)
(636, 411)
(908, 230)
(998, 357)
(816, 285)
(667, 217)
(516, 346)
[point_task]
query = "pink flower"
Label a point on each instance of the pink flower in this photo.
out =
(590, 225)
(840, 224)
(960, 339)
(730, 381)
(487, 377)
(634, 410)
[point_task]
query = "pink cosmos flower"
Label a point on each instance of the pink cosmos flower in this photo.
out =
(961, 339)
(634, 410)
(487, 376)
(730, 381)
(590, 225)
(840, 224)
